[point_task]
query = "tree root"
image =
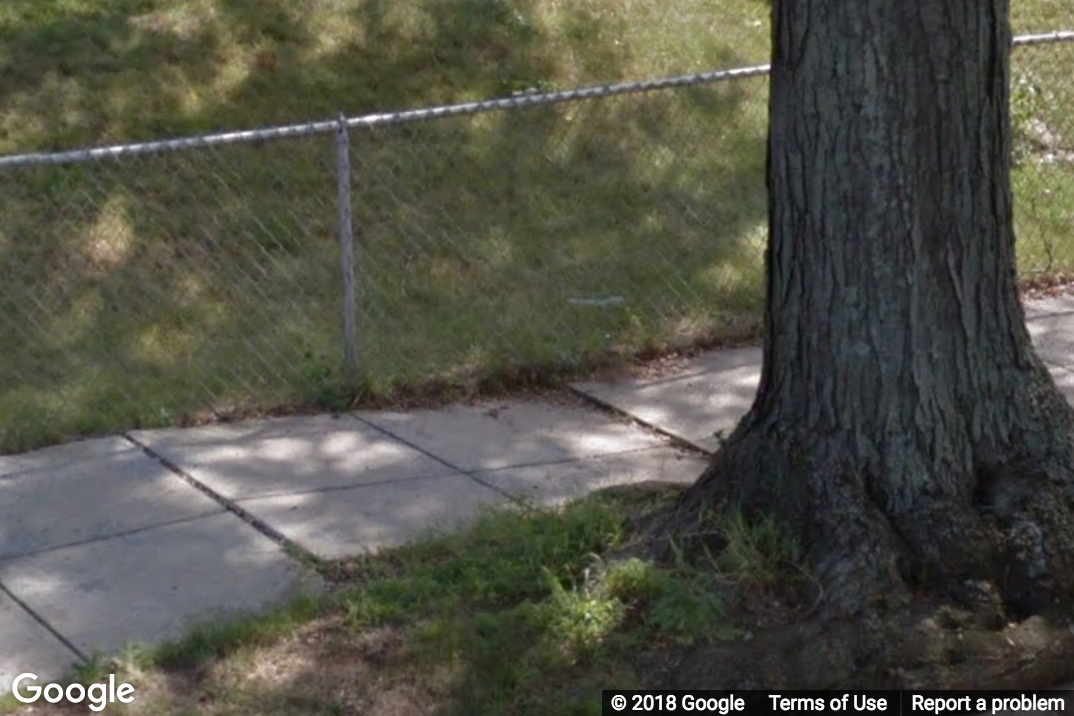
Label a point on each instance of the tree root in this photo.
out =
(866, 548)
(927, 647)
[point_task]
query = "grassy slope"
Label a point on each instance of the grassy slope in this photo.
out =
(118, 70)
(138, 292)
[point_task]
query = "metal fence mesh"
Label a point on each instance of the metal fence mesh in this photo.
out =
(139, 289)
(147, 288)
(551, 233)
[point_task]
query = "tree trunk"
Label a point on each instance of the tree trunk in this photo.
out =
(904, 428)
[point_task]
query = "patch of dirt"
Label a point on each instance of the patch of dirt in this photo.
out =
(325, 665)
(359, 673)
(1047, 286)
(931, 645)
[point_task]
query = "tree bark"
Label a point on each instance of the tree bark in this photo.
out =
(904, 428)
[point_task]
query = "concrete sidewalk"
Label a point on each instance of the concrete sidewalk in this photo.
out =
(136, 537)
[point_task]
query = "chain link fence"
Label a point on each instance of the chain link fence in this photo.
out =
(160, 283)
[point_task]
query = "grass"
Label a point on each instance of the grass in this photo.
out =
(526, 612)
(160, 290)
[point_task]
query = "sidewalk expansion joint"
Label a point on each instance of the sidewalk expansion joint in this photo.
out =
(107, 538)
(44, 623)
(676, 440)
(468, 473)
(231, 506)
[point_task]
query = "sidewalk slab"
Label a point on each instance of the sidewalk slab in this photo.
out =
(1064, 380)
(27, 647)
(88, 490)
(1053, 337)
(354, 521)
(281, 456)
(715, 391)
(559, 483)
(66, 454)
(497, 434)
(1049, 306)
(711, 395)
(154, 584)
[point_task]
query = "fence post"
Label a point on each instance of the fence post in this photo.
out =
(346, 252)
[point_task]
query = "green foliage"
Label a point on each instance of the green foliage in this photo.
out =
(679, 604)
(757, 552)
(504, 558)
(686, 609)
(1031, 102)
(583, 617)
(325, 387)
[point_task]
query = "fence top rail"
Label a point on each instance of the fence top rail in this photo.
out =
(369, 121)
(374, 120)
(1044, 38)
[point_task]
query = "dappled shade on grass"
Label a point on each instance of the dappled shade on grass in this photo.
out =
(491, 249)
